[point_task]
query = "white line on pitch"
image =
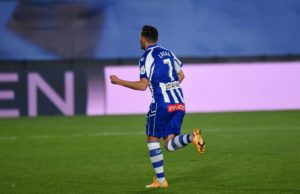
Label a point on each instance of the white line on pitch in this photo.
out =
(75, 135)
(8, 138)
(227, 129)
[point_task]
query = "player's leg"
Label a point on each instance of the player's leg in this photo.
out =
(153, 132)
(156, 158)
(174, 142)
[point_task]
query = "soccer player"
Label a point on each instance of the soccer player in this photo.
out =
(161, 70)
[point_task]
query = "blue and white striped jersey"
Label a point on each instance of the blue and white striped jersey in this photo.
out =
(160, 66)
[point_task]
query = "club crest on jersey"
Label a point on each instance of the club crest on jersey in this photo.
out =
(176, 107)
(142, 70)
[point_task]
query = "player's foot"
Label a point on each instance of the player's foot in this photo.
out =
(157, 184)
(198, 141)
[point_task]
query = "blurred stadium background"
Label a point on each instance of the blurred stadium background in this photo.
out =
(56, 57)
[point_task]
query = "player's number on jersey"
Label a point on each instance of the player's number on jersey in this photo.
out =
(169, 63)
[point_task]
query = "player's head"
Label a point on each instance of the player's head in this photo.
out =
(149, 35)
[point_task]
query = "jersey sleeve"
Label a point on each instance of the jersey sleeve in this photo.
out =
(178, 64)
(146, 63)
(143, 73)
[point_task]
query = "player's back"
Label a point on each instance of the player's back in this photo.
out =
(162, 67)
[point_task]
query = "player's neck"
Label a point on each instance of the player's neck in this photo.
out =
(150, 44)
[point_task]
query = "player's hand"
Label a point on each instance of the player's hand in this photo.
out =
(114, 79)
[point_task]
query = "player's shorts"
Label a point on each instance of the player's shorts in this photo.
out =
(164, 119)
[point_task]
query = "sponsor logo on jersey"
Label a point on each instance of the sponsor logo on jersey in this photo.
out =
(172, 85)
(176, 107)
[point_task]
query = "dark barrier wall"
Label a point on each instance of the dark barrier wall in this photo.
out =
(44, 88)
(64, 29)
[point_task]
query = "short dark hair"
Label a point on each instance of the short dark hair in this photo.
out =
(150, 32)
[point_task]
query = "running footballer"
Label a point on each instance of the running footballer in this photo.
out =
(161, 71)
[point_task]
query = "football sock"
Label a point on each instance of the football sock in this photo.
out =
(156, 158)
(179, 141)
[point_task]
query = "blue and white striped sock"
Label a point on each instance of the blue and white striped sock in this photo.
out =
(157, 160)
(179, 141)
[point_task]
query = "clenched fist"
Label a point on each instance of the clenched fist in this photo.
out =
(114, 79)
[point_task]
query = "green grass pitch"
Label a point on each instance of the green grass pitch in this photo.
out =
(249, 152)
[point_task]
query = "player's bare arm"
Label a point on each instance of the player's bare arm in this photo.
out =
(180, 76)
(135, 85)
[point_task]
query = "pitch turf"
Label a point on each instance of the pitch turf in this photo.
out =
(252, 152)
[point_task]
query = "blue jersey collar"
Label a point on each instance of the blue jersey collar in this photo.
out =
(151, 46)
